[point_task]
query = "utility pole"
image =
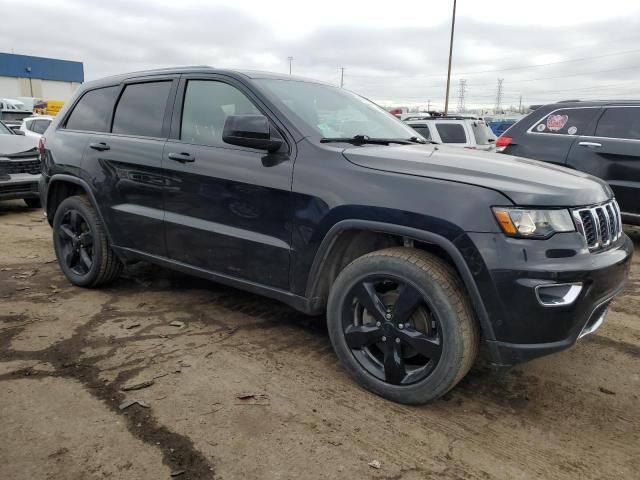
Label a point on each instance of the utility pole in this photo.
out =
(341, 77)
(453, 24)
(428, 105)
(290, 61)
(498, 106)
(462, 88)
(520, 105)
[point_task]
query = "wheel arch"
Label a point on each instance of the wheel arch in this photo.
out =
(330, 259)
(61, 186)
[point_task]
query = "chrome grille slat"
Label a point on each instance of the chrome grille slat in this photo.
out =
(600, 225)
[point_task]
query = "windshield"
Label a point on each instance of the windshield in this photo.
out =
(334, 112)
(4, 130)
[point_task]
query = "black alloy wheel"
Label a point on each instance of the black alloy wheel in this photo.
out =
(402, 325)
(76, 242)
(82, 245)
(390, 329)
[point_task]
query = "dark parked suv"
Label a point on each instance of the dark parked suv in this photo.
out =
(601, 138)
(312, 195)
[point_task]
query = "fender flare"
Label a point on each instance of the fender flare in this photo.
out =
(411, 233)
(61, 177)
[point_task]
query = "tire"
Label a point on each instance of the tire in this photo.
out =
(412, 362)
(82, 246)
(32, 202)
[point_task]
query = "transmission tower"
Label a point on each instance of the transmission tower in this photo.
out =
(462, 89)
(498, 107)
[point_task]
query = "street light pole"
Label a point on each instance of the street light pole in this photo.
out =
(290, 60)
(453, 24)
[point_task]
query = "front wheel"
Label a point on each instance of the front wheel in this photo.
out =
(401, 324)
(81, 244)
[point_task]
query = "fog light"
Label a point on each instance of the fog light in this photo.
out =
(558, 294)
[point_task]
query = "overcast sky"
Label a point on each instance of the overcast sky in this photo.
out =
(394, 52)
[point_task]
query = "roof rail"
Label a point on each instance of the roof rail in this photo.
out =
(442, 117)
(568, 101)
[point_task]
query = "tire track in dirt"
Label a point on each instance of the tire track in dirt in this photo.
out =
(66, 356)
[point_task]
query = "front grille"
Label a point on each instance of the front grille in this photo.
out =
(18, 188)
(31, 166)
(600, 225)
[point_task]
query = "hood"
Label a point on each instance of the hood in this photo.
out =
(524, 181)
(12, 144)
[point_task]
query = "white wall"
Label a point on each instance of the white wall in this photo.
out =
(58, 90)
(11, 87)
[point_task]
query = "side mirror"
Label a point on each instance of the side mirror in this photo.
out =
(18, 132)
(251, 131)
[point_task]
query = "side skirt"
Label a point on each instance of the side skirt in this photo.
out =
(297, 302)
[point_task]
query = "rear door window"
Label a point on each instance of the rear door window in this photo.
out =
(451, 132)
(566, 121)
(141, 108)
(620, 122)
(93, 111)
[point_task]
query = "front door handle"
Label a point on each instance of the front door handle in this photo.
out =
(100, 146)
(181, 157)
(590, 144)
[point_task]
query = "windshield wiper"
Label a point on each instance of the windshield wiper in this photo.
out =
(365, 139)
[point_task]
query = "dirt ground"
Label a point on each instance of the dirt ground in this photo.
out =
(66, 353)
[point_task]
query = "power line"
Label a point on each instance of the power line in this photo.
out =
(521, 67)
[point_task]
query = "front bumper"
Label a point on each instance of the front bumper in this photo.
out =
(507, 273)
(19, 185)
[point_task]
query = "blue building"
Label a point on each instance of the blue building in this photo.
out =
(39, 77)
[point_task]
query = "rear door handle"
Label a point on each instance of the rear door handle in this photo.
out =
(590, 144)
(101, 146)
(181, 157)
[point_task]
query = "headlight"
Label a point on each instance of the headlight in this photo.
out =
(521, 222)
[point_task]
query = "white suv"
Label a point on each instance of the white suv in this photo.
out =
(456, 131)
(35, 126)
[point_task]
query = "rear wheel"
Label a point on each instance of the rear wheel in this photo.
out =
(81, 244)
(32, 202)
(401, 324)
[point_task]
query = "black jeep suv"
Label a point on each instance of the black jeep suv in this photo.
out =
(597, 137)
(312, 195)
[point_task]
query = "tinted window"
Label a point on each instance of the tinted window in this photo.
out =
(568, 121)
(93, 110)
(39, 126)
(140, 110)
(620, 123)
(207, 104)
(422, 130)
(451, 133)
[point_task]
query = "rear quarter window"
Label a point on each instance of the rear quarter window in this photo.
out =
(92, 113)
(566, 121)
